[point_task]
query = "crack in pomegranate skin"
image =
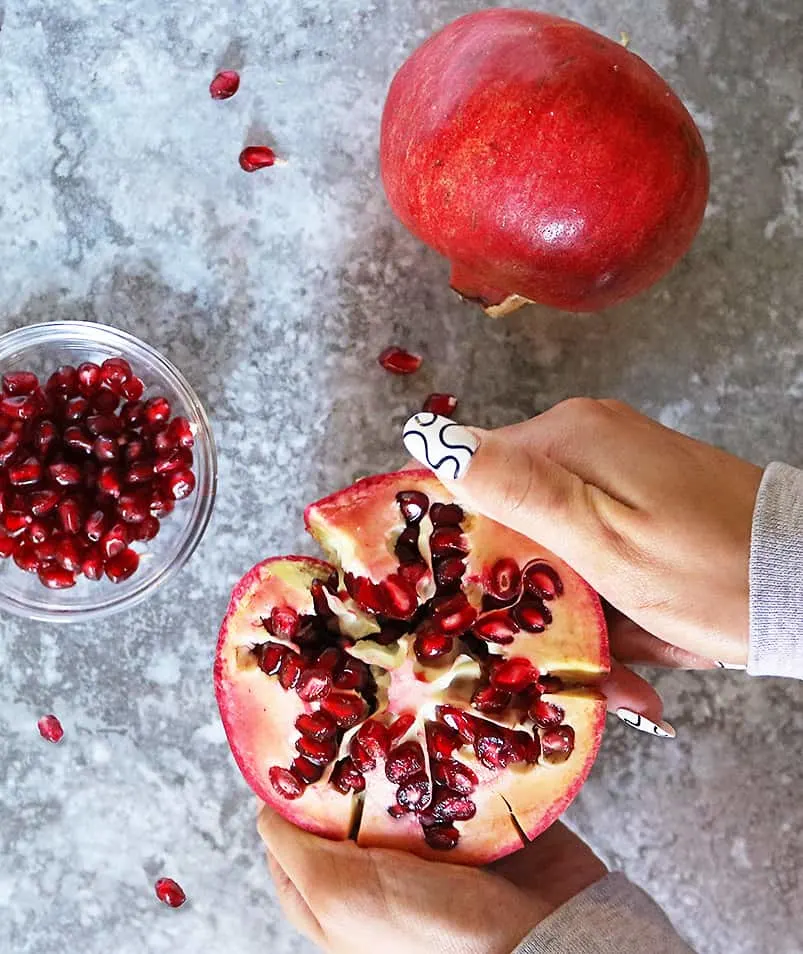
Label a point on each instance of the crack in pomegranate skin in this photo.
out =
(415, 682)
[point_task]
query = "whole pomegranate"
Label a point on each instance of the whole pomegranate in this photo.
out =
(546, 162)
(432, 692)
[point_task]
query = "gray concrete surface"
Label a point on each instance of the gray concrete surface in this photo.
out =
(121, 201)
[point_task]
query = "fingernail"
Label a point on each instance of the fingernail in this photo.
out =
(724, 665)
(637, 721)
(443, 446)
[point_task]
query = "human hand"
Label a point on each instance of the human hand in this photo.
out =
(658, 523)
(353, 900)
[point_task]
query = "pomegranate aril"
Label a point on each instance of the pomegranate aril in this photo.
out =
(400, 599)
(314, 684)
(15, 521)
(180, 484)
(415, 793)
(455, 776)
(133, 507)
(20, 382)
(449, 807)
(224, 85)
(114, 541)
(432, 645)
(463, 723)
(317, 592)
(454, 614)
(558, 744)
(491, 699)
(68, 554)
(413, 571)
(346, 777)
(70, 515)
(95, 525)
(7, 545)
(108, 424)
(64, 380)
(404, 761)
(105, 401)
(106, 448)
(441, 837)
(21, 407)
(139, 473)
(321, 752)
(39, 531)
(413, 505)
(284, 622)
(317, 725)
(443, 404)
(256, 157)
(399, 361)
(532, 615)
(307, 770)
(132, 413)
(285, 782)
(157, 413)
(56, 577)
(88, 378)
(26, 473)
(290, 670)
(448, 572)
(65, 475)
(50, 728)
(400, 727)
(490, 747)
(542, 581)
(370, 744)
(180, 431)
(135, 450)
(447, 541)
(25, 556)
(174, 460)
(93, 563)
(441, 741)
(514, 675)
(122, 566)
(109, 482)
(9, 446)
(146, 530)
(77, 439)
(446, 515)
(351, 674)
(505, 579)
(496, 627)
(114, 372)
(329, 659)
(132, 389)
(545, 714)
(76, 408)
(406, 546)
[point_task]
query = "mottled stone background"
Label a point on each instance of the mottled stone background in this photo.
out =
(121, 201)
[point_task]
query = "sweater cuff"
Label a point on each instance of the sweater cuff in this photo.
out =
(613, 916)
(776, 575)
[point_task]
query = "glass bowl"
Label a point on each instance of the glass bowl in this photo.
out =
(42, 349)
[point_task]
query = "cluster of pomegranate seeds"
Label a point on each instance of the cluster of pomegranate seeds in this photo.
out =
(50, 728)
(224, 85)
(170, 892)
(253, 158)
(443, 404)
(87, 468)
(399, 361)
(344, 734)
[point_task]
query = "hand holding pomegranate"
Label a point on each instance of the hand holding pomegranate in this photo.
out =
(348, 899)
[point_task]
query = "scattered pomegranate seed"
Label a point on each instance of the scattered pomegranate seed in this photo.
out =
(256, 157)
(399, 361)
(443, 404)
(50, 728)
(170, 892)
(224, 85)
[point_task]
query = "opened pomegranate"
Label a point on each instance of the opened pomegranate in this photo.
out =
(432, 692)
(546, 162)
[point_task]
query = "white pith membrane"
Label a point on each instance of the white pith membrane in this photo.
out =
(501, 783)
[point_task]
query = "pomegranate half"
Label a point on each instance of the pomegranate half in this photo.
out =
(546, 162)
(431, 689)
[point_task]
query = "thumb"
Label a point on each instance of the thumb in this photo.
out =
(505, 477)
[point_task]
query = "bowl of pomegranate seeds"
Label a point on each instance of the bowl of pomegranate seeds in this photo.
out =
(107, 470)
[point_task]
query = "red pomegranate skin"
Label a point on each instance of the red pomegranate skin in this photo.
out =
(543, 160)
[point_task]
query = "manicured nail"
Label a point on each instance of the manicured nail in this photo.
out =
(445, 447)
(637, 721)
(723, 665)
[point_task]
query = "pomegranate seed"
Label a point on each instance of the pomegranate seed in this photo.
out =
(76, 409)
(496, 627)
(441, 740)
(39, 531)
(93, 563)
(21, 407)
(95, 525)
(514, 675)
(64, 381)
(453, 615)
(50, 728)
(270, 658)
(161, 505)
(109, 482)
(140, 473)
(491, 699)
(174, 460)
(88, 378)
(122, 566)
(224, 85)
(464, 724)
(135, 450)
(180, 484)
(400, 727)
(169, 892)
(558, 744)
(306, 769)
(448, 572)
(329, 659)
(400, 599)
(432, 645)
(8, 446)
(319, 752)
(404, 761)
(133, 507)
(347, 710)
(350, 675)
(105, 402)
(505, 579)
(368, 745)
(290, 671)
(532, 616)
(347, 777)
(256, 157)
(147, 530)
(56, 577)
(114, 372)
(314, 684)
(20, 382)
(415, 793)
(7, 545)
(413, 572)
(180, 430)
(115, 541)
(77, 439)
(157, 413)
(25, 557)
(545, 714)
(65, 475)
(365, 592)
(413, 505)
(441, 837)
(449, 807)
(132, 414)
(46, 550)
(317, 725)
(455, 776)
(399, 361)
(542, 581)
(104, 424)
(285, 783)
(133, 389)
(70, 515)
(15, 522)
(284, 622)
(446, 515)
(406, 546)
(106, 448)
(490, 747)
(443, 404)
(27, 473)
(448, 541)
(69, 554)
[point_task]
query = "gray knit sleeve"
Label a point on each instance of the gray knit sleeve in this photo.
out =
(776, 575)
(613, 916)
